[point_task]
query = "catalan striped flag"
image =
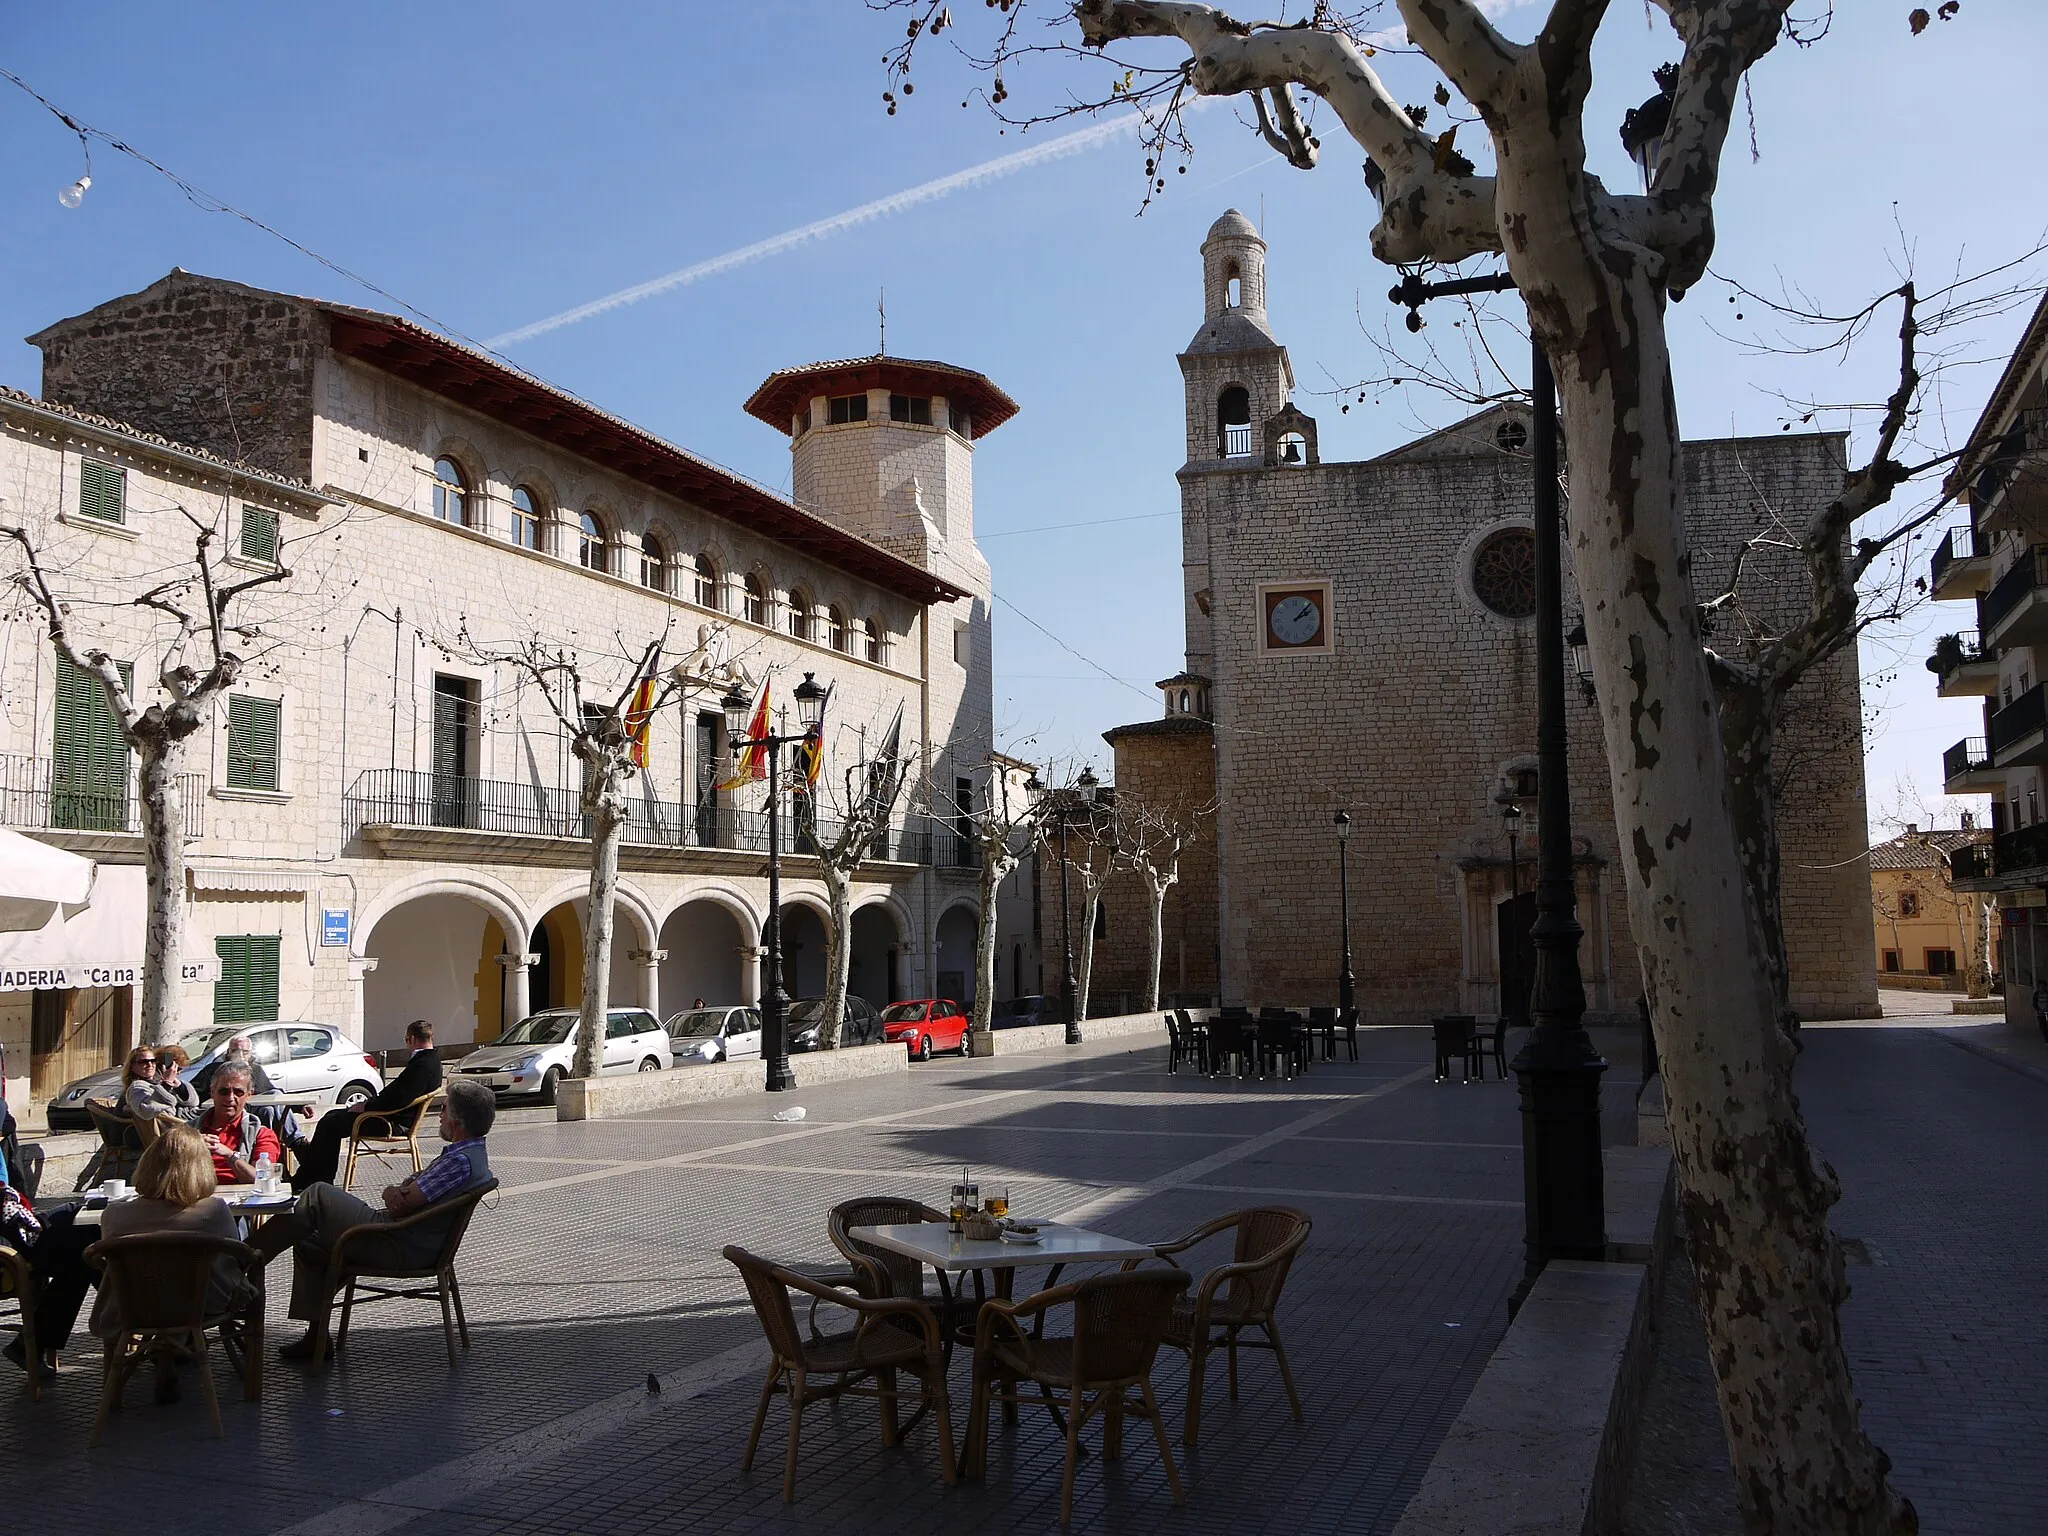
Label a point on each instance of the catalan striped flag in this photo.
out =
(750, 763)
(640, 711)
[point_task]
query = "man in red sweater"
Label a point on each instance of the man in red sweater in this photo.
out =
(236, 1138)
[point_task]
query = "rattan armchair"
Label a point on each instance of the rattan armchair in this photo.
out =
(363, 1257)
(17, 1284)
(1233, 1297)
(1120, 1320)
(879, 1271)
(120, 1145)
(893, 1334)
(378, 1132)
(159, 1282)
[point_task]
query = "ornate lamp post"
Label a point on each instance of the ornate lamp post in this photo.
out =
(810, 705)
(1563, 1190)
(1511, 823)
(1347, 984)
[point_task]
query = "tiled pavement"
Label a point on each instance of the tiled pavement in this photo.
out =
(1944, 1183)
(600, 1266)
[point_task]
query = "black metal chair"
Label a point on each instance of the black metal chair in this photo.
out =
(1233, 1042)
(1457, 1038)
(1185, 1041)
(1492, 1042)
(1323, 1021)
(1283, 1043)
(1348, 1022)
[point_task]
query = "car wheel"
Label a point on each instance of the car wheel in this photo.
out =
(967, 1041)
(924, 1048)
(354, 1096)
(650, 1065)
(549, 1084)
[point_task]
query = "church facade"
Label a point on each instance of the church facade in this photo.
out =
(1360, 638)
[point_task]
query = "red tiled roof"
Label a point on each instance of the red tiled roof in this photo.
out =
(787, 390)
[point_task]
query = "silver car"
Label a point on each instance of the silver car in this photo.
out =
(534, 1055)
(313, 1063)
(715, 1034)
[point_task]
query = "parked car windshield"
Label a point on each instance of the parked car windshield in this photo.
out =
(807, 1010)
(540, 1029)
(903, 1013)
(200, 1041)
(700, 1024)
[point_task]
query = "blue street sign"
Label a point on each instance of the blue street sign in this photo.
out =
(334, 926)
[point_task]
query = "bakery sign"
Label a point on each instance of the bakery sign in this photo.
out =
(72, 976)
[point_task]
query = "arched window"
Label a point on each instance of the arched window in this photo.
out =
(708, 595)
(835, 627)
(1183, 701)
(756, 600)
(1234, 423)
(871, 636)
(526, 518)
(1233, 287)
(451, 492)
(590, 542)
(653, 563)
(800, 613)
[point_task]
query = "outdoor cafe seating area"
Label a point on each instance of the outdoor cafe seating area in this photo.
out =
(1080, 1352)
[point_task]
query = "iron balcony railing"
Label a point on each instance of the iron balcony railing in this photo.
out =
(1237, 440)
(2025, 848)
(43, 795)
(1973, 862)
(2027, 573)
(1964, 757)
(410, 798)
(1956, 544)
(2020, 719)
(1954, 652)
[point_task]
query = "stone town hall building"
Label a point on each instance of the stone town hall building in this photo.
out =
(380, 826)
(1359, 637)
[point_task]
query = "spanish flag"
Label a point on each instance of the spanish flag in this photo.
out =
(750, 763)
(640, 712)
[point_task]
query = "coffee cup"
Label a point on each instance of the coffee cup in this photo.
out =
(115, 1189)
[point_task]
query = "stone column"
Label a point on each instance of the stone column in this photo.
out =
(649, 961)
(353, 1026)
(513, 993)
(751, 958)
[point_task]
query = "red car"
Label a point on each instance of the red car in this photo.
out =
(926, 1025)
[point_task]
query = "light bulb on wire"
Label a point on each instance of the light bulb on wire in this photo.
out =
(74, 194)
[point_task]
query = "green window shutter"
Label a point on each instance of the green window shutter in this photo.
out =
(89, 757)
(259, 535)
(102, 490)
(247, 989)
(253, 742)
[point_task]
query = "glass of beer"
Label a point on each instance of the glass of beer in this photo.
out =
(999, 1203)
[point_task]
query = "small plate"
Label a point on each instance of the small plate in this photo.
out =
(1022, 1239)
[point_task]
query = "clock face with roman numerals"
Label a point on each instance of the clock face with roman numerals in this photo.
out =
(1296, 617)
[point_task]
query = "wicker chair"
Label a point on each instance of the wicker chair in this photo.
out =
(879, 1272)
(1120, 1320)
(1241, 1294)
(17, 1284)
(120, 1145)
(893, 1334)
(159, 1283)
(374, 1252)
(382, 1132)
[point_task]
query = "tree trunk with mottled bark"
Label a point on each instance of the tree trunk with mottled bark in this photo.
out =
(604, 806)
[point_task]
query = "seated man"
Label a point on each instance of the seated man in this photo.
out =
(420, 1076)
(239, 1049)
(235, 1137)
(323, 1213)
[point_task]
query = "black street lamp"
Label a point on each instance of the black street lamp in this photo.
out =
(1563, 1190)
(1347, 984)
(1070, 802)
(810, 708)
(1511, 823)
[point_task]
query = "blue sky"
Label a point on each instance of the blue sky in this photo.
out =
(493, 165)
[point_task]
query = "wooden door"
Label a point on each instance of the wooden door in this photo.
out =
(73, 1033)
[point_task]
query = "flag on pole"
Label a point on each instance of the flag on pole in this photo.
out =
(883, 778)
(750, 763)
(640, 711)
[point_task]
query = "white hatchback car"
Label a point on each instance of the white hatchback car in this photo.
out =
(715, 1034)
(534, 1055)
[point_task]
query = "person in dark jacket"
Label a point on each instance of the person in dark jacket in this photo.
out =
(320, 1159)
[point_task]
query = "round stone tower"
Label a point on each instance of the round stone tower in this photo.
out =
(1237, 375)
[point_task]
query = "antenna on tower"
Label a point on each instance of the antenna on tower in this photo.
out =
(1262, 215)
(882, 309)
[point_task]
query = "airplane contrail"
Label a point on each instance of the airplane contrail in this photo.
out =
(924, 192)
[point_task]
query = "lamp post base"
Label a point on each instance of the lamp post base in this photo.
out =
(780, 1078)
(1563, 1187)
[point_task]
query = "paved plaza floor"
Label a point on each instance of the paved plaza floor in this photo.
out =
(599, 1267)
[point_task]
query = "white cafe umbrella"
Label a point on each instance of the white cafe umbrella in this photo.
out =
(36, 879)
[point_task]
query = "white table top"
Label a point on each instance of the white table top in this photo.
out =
(234, 1196)
(1057, 1244)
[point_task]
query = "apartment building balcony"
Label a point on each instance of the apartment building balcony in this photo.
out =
(1962, 668)
(83, 811)
(2019, 732)
(2011, 490)
(1975, 863)
(1960, 570)
(1966, 769)
(408, 814)
(2008, 861)
(2015, 610)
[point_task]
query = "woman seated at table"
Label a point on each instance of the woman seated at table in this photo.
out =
(235, 1137)
(150, 1086)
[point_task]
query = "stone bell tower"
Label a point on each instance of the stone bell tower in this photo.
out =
(1236, 374)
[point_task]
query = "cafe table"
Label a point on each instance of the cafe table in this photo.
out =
(243, 1199)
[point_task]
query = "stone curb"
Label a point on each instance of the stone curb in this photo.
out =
(1046, 1037)
(1543, 1445)
(608, 1098)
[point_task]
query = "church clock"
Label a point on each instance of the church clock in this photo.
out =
(1295, 616)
